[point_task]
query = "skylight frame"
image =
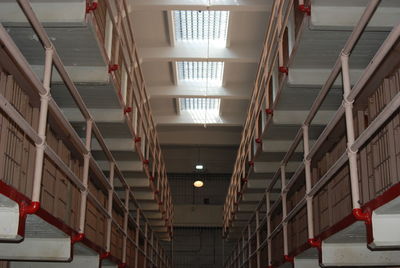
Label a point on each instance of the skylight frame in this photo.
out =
(208, 73)
(201, 26)
(211, 105)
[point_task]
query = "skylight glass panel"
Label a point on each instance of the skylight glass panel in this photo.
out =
(209, 72)
(200, 104)
(192, 25)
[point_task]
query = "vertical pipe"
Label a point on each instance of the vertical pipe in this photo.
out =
(44, 105)
(348, 106)
(284, 210)
(126, 218)
(86, 159)
(307, 168)
(268, 201)
(109, 207)
(137, 237)
(280, 40)
(249, 244)
(258, 238)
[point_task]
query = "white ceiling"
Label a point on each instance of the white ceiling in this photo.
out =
(159, 52)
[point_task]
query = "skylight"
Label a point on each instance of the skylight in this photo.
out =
(200, 104)
(201, 110)
(209, 72)
(192, 25)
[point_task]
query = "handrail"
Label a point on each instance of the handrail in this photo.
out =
(352, 148)
(41, 90)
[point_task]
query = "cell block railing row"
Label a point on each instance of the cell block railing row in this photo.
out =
(44, 158)
(336, 179)
(115, 30)
(274, 57)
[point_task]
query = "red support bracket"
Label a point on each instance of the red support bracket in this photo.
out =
(288, 258)
(160, 203)
(251, 163)
(283, 70)
(77, 238)
(259, 140)
(245, 180)
(269, 111)
(151, 178)
(105, 255)
(362, 216)
(138, 139)
(127, 110)
(112, 68)
(270, 266)
(146, 161)
(90, 6)
(122, 265)
(314, 242)
(305, 9)
(25, 209)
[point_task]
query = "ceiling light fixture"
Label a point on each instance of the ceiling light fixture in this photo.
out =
(198, 184)
(199, 167)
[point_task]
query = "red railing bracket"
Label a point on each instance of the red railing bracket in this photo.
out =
(90, 6)
(288, 258)
(259, 140)
(269, 111)
(127, 110)
(146, 161)
(25, 209)
(314, 242)
(151, 178)
(122, 265)
(77, 238)
(251, 163)
(138, 139)
(305, 9)
(284, 70)
(112, 68)
(362, 216)
(245, 180)
(105, 255)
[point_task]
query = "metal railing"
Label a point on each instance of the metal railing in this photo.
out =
(152, 252)
(239, 258)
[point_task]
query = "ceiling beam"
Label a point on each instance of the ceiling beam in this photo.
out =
(188, 119)
(322, 17)
(231, 5)
(200, 52)
(240, 92)
(66, 12)
(200, 136)
(295, 117)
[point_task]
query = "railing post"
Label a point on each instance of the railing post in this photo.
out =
(249, 245)
(348, 106)
(146, 244)
(307, 168)
(137, 233)
(284, 212)
(269, 244)
(85, 181)
(109, 208)
(126, 219)
(44, 106)
(258, 238)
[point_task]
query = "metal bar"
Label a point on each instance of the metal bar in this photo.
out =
(44, 106)
(352, 155)
(378, 122)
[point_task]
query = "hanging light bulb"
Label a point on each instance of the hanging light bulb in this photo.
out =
(198, 184)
